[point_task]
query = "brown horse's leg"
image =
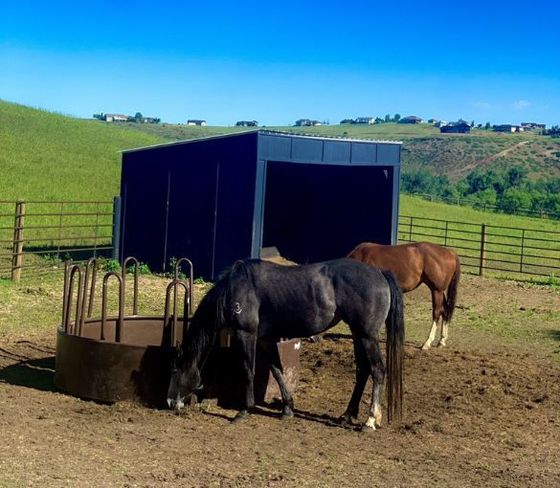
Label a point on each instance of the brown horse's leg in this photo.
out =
(444, 330)
(437, 310)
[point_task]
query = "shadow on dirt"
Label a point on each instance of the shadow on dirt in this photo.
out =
(554, 335)
(31, 373)
(271, 412)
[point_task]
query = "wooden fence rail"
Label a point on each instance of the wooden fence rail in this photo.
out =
(483, 247)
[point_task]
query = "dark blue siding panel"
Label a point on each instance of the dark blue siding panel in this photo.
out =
(388, 154)
(364, 153)
(236, 198)
(275, 147)
(144, 194)
(308, 150)
(337, 152)
(211, 195)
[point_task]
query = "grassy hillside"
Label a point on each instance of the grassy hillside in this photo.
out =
(48, 156)
(417, 206)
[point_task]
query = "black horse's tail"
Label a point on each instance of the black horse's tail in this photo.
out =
(395, 350)
(451, 298)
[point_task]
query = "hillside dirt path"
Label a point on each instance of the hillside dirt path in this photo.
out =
(482, 162)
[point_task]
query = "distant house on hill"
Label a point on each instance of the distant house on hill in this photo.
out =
(411, 119)
(440, 123)
(306, 123)
(459, 127)
(365, 120)
(116, 118)
(532, 126)
(346, 121)
(507, 128)
(150, 120)
(196, 122)
(246, 123)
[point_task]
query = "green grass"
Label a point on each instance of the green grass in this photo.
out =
(46, 156)
(413, 205)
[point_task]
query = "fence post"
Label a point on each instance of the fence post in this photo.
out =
(410, 230)
(17, 248)
(116, 227)
(522, 251)
(482, 250)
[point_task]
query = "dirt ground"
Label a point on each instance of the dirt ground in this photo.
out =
(485, 411)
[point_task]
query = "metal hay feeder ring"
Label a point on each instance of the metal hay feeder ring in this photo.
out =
(123, 357)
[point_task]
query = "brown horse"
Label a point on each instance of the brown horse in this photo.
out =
(421, 262)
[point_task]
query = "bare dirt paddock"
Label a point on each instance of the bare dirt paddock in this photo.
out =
(483, 412)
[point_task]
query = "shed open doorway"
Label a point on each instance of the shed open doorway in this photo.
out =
(318, 212)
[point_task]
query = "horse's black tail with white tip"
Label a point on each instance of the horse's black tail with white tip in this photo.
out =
(395, 349)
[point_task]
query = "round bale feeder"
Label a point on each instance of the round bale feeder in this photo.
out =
(127, 357)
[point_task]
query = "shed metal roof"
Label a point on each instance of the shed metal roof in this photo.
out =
(263, 132)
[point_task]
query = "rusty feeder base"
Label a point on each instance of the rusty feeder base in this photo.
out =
(128, 357)
(136, 368)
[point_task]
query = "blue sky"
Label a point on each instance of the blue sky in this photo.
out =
(275, 62)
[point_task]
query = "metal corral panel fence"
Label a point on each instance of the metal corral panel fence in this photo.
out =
(37, 235)
(482, 247)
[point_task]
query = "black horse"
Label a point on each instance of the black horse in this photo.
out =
(264, 302)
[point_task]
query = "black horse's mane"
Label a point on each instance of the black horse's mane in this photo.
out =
(212, 313)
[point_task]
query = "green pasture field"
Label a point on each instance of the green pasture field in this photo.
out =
(417, 206)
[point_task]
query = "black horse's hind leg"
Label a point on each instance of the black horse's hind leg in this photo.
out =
(375, 357)
(271, 350)
(248, 343)
(363, 369)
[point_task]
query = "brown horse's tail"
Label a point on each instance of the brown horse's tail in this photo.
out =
(451, 298)
(395, 350)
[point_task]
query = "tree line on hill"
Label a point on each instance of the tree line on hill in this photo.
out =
(509, 191)
(554, 131)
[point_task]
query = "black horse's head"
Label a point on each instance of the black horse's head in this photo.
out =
(185, 380)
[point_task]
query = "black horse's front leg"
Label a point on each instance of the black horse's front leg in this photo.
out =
(248, 344)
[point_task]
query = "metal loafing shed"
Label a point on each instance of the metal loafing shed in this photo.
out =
(221, 198)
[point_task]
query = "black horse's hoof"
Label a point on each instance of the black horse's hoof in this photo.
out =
(287, 414)
(240, 417)
(345, 421)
